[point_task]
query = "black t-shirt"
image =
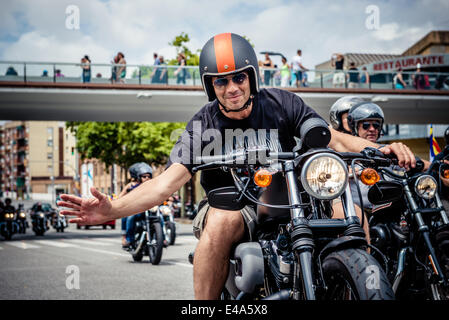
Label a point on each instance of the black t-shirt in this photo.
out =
(281, 113)
(339, 64)
(353, 74)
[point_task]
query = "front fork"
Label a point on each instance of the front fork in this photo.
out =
(424, 230)
(302, 239)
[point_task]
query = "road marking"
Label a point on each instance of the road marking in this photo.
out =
(186, 239)
(115, 240)
(106, 252)
(181, 264)
(90, 242)
(22, 245)
(55, 243)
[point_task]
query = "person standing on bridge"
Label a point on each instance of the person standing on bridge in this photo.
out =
(85, 66)
(121, 72)
(235, 102)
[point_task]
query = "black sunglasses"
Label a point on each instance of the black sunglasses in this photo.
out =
(366, 125)
(146, 176)
(239, 78)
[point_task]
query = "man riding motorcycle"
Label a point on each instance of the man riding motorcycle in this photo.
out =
(229, 73)
(338, 113)
(8, 206)
(128, 188)
(144, 173)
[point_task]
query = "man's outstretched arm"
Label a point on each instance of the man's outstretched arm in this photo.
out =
(149, 194)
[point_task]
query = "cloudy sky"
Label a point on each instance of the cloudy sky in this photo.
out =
(42, 30)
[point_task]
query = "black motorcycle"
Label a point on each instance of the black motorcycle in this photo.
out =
(59, 222)
(191, 210)
(22, 219)
(300, 252)
(169, 228)
(39, 222)
(149, 238)
(411, 228)
(8, 224)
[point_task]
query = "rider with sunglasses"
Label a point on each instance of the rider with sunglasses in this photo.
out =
(229, 73)
(365, 120)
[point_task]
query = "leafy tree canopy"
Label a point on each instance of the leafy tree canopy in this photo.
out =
(125, 143)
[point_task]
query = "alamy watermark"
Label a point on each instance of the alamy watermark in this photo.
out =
(372, 21)
(194, 144)
(72, 19)
(373, 280)
(73, 279)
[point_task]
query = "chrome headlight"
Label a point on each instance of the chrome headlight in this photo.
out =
(165, 210)
(426, 186)
(41, 215)
(324, 176)
(22, 214)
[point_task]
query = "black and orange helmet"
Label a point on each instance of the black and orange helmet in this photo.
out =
(224, 54)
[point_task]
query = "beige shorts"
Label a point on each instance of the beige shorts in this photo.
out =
(338, 78)
(248, 214)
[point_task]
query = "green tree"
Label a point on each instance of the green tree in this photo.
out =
(180, 43)
(124, 143)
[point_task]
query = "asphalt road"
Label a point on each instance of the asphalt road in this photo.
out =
(91, 265)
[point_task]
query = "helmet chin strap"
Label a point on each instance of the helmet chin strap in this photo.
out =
(245, 106)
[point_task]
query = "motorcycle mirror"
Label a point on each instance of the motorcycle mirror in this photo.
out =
(384, 192)
(315, 133)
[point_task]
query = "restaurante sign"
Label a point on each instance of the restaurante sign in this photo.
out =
(411, 62)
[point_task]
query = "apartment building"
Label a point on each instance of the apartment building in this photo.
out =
(37, 159)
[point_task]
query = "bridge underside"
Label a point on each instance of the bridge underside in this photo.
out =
(117, 103)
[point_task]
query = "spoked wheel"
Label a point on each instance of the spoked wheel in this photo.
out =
(156, 243)
(353, 274)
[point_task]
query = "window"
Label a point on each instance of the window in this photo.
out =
(50, 142)
(50, 168)
(50, 131)
(50, 155)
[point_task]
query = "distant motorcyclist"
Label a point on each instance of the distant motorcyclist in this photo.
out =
(144, 173)
(8, 206)
(128, 188)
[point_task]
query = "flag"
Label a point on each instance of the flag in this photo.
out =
(434, 147)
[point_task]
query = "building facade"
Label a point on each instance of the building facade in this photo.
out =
(38, 159)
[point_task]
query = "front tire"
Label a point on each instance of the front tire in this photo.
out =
(171, 232)
(156, 243)
(353, 274)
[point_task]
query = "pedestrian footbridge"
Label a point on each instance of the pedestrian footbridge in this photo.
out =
(51, 91)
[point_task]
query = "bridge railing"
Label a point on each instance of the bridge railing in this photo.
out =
(189, 75)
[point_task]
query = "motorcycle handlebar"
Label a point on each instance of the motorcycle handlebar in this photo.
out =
(380, 159)
(244, 155)
(239, 159)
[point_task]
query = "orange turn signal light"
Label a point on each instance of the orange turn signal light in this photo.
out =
(263, 178)
(446, 174)
(369, 176)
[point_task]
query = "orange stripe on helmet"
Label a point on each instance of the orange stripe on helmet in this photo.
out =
(224, 55)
